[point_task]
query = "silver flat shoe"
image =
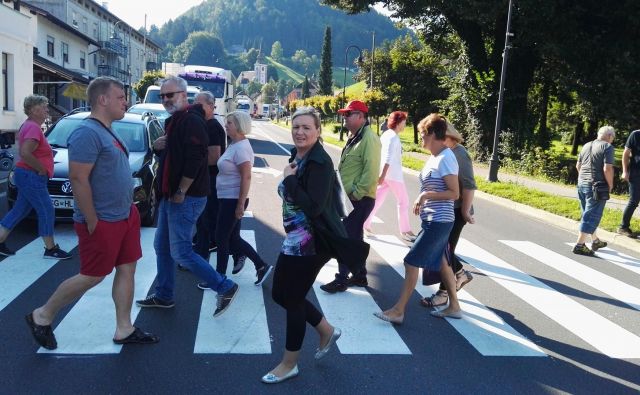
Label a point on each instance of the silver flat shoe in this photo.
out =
(442, 314)
(320, 353)
(271, 378)
(384, 317)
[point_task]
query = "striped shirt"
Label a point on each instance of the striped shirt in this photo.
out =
(432, 179)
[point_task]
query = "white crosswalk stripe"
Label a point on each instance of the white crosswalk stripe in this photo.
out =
(591, 277)
(243, 329)
(18, 272)
(88, 327)
(584, 323)
(485, 330)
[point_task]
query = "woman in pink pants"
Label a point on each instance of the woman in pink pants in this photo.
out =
(391, 178)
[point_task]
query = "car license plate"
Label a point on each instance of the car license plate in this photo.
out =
(66, 203)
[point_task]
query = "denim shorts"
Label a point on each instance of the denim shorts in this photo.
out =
(431, 244)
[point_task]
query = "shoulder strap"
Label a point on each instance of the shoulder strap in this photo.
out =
(124, 146)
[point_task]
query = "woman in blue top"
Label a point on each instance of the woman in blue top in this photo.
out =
(307, 192)
(439, 189)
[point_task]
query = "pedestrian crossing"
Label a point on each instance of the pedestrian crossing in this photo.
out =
(88, 326)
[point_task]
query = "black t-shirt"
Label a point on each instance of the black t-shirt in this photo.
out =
(217, 136)
(633, 143)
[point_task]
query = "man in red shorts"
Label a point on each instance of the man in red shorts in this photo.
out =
(105, 219)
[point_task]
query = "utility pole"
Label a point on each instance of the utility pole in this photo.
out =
(494, 163)
(373, 57)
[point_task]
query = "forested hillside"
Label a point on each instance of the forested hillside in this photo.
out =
(297, 24)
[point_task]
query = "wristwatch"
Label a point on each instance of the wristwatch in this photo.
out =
(179, 191)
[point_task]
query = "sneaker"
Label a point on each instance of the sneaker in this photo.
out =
(621, 231)
(462, 278)
(153, 301)
(262, 274)
(203, 286)
(56, 253)
(597, 244)
(224, 300)
(334, 286)
(238, 264)
(357, 281)
(582, 249)
(5, 251)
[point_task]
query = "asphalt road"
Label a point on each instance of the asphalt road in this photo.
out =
(538, 318)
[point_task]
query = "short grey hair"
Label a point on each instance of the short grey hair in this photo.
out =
(242, 120)
(181, 82)
(310, 111)
(100, 86)
(606, 131)
(208, 97)
(32, 101)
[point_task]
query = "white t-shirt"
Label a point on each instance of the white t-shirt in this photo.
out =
(228, 178)
(391, 153)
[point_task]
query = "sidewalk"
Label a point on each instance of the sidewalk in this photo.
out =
(551, 188)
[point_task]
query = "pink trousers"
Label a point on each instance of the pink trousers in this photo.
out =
(400, 192)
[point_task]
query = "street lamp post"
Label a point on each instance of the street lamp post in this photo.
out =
(344, 82)
(494, 163)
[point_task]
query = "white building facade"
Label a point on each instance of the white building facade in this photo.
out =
(17, 41)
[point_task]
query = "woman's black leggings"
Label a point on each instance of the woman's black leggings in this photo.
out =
(293, 278)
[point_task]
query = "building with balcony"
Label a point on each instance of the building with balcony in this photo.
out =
(117, 50)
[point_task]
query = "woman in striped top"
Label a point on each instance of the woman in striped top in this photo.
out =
(439, 189)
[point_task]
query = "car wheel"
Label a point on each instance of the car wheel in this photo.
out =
(6, 164)
(152, 208)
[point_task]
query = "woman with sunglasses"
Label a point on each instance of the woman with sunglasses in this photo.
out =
(439, 189)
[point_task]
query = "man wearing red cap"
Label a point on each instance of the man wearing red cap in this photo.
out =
(359, 165)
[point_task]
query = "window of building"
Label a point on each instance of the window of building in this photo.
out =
(82, 60)
(95, 30)
(95, 59)
(65, 53)
(85, 25)
(7, 82)
(74, 19)
(50, 46)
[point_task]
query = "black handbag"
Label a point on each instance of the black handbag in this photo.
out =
(599, 189)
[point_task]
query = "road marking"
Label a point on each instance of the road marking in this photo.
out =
(243, 329)
(267, 170)
(591, 277)
(89, 327)
(19, 272)
(248, 214)
(483, 329)
(576, 318)
(617, 258)
(265, 134)
(352, 311)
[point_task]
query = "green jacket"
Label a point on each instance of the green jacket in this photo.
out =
(360, 165)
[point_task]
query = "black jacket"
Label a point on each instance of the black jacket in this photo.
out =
(186, 151)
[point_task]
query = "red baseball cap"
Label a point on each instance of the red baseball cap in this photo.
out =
(354, 105)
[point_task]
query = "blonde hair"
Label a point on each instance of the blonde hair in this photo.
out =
(242, 120)
(310, 111)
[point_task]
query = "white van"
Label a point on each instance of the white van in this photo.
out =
(153, 94)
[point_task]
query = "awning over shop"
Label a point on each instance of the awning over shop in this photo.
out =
(59, 71)
(76, 90)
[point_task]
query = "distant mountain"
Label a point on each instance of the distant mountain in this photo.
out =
(297, 24)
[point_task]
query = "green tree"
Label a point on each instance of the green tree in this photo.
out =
(148, 79)
(250, 57)
(269, 91)
(305, 88)
(200, 48)
(326, 71)
(281, 90)
(253, 88)
(276, 51)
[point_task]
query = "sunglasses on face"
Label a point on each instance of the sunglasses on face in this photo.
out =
(350, 113)
(168, 95)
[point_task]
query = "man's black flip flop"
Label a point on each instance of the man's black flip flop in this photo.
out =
(138, 336)
(43, 334)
